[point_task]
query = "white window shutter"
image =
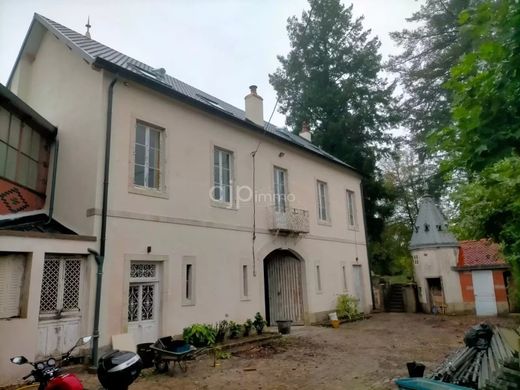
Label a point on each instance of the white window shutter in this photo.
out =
(12, 268)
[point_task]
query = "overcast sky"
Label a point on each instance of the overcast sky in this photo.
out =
(218, 46)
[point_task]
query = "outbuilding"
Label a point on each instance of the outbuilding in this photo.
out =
(456, 276)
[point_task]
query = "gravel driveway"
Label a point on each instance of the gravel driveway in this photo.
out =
(366, 354)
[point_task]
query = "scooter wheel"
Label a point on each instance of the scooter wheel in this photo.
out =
(161, 366)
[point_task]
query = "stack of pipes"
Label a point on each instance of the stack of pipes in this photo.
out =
(493, 365)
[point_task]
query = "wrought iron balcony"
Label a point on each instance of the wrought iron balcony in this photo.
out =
(289, 221)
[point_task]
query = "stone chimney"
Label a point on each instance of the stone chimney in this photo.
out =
(255, 107)
(306, 132)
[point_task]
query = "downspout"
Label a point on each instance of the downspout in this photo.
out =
(366, 241)
(100, 257)
(53, 183)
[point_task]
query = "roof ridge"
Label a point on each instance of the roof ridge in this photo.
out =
(92, 50)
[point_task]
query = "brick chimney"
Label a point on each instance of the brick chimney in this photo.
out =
(306, 132)
(254, 107)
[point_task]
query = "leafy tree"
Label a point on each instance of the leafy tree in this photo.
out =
(429, 51)
(390, 255)
(330, 79)
(483, 141)
(490, 207)
(409, 179)
(486, 91)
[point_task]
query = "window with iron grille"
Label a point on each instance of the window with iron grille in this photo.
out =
(60, 284)
(142, 291)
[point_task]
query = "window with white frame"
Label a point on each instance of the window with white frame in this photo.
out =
(351, 209)
(280, 189)
(61, 284)
(143, 291)
(148, 156)
(188, 280)
(12, 273)
(245, 282)
(222, 175)
(323, 212)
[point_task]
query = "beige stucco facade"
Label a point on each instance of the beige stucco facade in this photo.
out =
(431, 263)
(181, 221)
(20, 336)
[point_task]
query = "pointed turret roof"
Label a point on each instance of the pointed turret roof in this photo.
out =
(431, 229)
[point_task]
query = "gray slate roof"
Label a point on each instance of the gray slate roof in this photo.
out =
(431, 229)
(92, 51)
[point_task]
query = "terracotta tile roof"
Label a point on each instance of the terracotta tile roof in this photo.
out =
(479, 253)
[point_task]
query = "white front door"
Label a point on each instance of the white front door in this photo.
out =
(59, 325)
(358, 287)
(484, 290)
(143, 302)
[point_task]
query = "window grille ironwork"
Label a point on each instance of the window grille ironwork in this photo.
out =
(60, 283)
(133, 303)
(143, 270)
(147, 302)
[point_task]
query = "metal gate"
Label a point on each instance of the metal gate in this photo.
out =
(284, 288)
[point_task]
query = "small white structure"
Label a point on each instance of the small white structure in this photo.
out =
(435, 251)
(453, 276)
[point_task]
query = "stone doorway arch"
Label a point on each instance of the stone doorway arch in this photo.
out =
(284, 287)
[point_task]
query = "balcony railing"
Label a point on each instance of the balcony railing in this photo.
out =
(289, 221)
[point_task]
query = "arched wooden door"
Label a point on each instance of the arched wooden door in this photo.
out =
(284, 291)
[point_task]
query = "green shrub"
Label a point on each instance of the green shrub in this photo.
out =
(221, 329)
(234, 329)
(259, 323)
(346, 306)
(247, 327)
(199, 335)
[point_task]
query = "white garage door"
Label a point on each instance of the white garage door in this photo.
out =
(483, 287)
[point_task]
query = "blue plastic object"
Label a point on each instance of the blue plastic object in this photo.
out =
(426, 384)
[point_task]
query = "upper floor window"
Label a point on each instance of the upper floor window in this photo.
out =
(222, 175)
(147, 161)
(20, 148)
(280, 189)
(323, 212)
(351, 209)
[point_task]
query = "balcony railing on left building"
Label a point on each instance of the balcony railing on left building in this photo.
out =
(288, 221)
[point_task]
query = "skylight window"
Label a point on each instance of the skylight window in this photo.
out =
(209, 101)
(156, 74)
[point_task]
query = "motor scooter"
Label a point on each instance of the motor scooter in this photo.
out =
(116, 370)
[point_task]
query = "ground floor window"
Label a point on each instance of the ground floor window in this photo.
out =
(61, 284)
(12, 275)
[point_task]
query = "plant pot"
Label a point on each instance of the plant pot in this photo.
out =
(334, 323)
(284, 326)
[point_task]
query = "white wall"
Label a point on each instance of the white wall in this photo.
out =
(66, 91)
(437, 263)
(183, 221)
(19, 336)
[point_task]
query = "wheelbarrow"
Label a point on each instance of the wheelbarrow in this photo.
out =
(167, 350)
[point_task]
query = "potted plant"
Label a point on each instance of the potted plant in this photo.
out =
(221, 329)
(247, 327)
(234, 330)
(284, 326)
(259, 323)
